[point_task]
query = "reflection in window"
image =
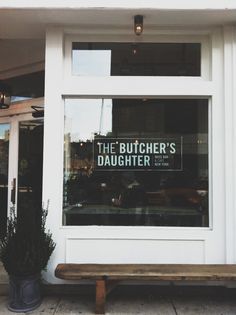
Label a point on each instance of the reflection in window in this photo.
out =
(172, 134)
(91, 62)
(29, 193)
(26, 86)
(139, 59)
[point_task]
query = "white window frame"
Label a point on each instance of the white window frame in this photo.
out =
(120, 85)
(145, 86)
(64, 84)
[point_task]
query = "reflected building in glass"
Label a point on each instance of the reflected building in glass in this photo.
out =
(172, 191)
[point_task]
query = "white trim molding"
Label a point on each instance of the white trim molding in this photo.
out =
(138, 4)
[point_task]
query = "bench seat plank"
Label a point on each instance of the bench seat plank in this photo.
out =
(162, 272)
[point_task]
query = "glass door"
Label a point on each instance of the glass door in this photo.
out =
(21, 156)
(30, 163)
(4, 178)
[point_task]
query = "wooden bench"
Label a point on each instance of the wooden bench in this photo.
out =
(107, 276)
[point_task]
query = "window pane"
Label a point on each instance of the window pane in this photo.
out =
(26, 86)
(136, 162)
(30, 167)
(140, 59)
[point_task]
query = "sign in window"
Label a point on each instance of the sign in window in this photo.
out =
(119, 154)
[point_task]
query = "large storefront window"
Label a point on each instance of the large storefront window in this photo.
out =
(132, 162)
(136, 59)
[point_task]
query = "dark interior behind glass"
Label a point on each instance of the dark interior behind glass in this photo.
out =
(27, 86)
(137, 59)
(136, 196)
(4, 156)
(30, 168)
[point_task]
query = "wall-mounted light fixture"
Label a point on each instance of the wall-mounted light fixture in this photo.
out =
(5, 95)
(38, 111)
(138, 24)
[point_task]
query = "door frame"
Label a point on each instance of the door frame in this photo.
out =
(20, 111)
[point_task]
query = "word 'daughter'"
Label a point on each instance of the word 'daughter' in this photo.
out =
(123, 160)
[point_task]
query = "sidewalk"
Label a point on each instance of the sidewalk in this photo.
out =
(143, 300)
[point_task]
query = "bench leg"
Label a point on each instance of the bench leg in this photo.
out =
(100, 296)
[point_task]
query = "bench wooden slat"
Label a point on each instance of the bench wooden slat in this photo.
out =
(162, 272)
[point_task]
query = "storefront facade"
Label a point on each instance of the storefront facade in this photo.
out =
(139, 145)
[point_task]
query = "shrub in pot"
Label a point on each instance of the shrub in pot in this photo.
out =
(24, 252)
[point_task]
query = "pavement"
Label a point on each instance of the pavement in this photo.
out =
(158, 300)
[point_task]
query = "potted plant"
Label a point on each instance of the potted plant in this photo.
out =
(24, 252)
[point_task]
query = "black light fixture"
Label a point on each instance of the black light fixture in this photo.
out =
(38, 111)
(5, 95)
(138, 24)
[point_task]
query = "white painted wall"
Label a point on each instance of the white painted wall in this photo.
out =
(143, 244)
(160, 244)
(29, 19)
(124, 244)
(161, 4)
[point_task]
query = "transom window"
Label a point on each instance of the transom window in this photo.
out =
(136, 59)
